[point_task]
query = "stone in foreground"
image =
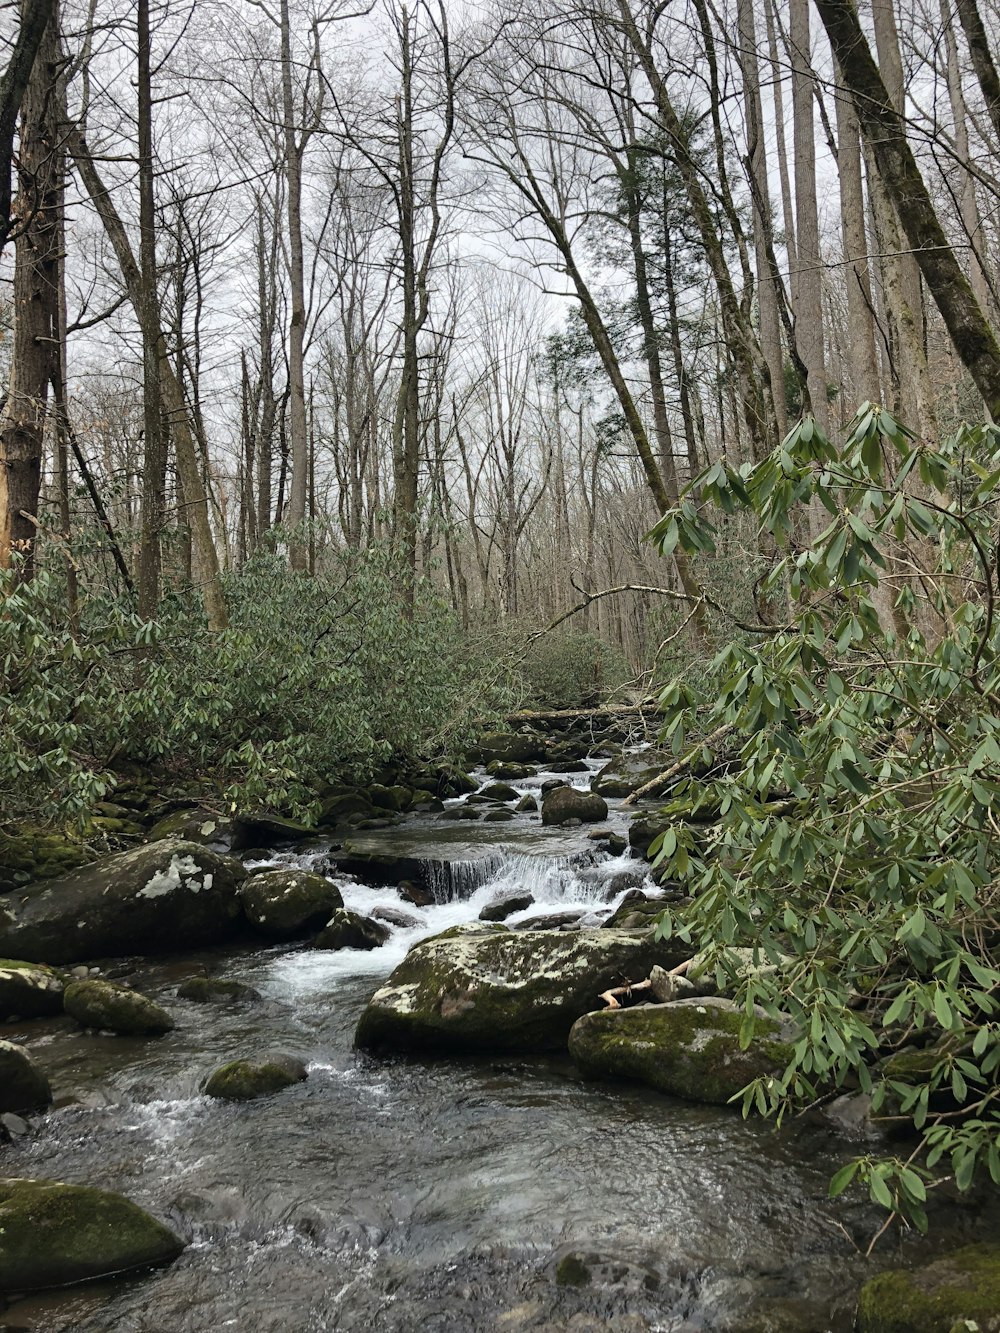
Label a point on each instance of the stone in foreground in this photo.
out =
(563, 803)
(23, 1086)
(53, 1234)
(283, 904)
(959, 1292)
(493, 990)
(151, 899)
(28, 990)
(244, 1080)
(350, 930)
(690, 1048)
(111, 1008)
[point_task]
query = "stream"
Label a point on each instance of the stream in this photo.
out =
(442, 1194)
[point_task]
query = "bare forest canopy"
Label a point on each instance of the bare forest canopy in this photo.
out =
(488, 285)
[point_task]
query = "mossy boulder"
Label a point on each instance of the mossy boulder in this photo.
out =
(23, 1086)
(508, 772)
(643, 830)
(958, 1292)
(499, 791)
(214, 990)
(245, 1080)
(690, 1048)
(111, 1008)
(283, 904)
(563, 803)
(33, 854)
(53, 1234)
(512, 748)
(152, 899)
(489, 989)
(351, 930)
(28, 990)
(200, 826)
(253, 828)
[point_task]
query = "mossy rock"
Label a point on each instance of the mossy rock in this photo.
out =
(563, 803)
(512, 748)
(284, 904)
(116, 827)
(199, 826)
(453, 782)
(245, 1080)
(53, 1234)
(488, 989)
(23, 1085)
(690, 1048)
(111, 1008)
(499, 816)
(28, 990)
(151, 899)
(510, 772)
(528, 804)
(958, 1292)
(214, 990)
(34, 854)
(262, 829)
(337, 808)
(499, 791)
(350, 930)
(643, 830)
(635, 913)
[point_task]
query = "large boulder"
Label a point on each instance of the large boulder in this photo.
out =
(167, 895)
(245, 1080)
(690, 1048)
(562, 803)
(350, 930)
(283, 904)
(512, 748)
(23, 1086)
(259, 828)
(959, 1292)
(493, 990)
(28, 990)
(111, 1008)
(53, 1234)
(194, 825)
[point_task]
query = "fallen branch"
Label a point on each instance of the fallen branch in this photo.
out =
(654, 784)
(553, 715)
(610, 997)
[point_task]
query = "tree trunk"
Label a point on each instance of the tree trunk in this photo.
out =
(862, 351)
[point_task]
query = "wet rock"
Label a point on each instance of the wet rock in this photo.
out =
(455, 783)
(510, 772)
(526, 804)
(635, 911)
(851, 1115)
(350, 930)
(622, 881)
(501, 816)
(665, 987)
(284, 904)
(111, 1008)
(200, 826)
(34, 854)
(245, 1080)
(565, 803)
(259, 828)
(510, 747)
(215, 990)
(690, 1048)
(499, 791)
(575, 1267)
(568, 920)
(23, 1085)
(494, 990)
(506, 904)
(392, 916)
(550, 784)
(390, 798)
(643, 831)
(958, 1292)
(12, 1126)
(53, 1234)
(28, 990)
(415, 894)
(460, 812)
(151, 899)
(339, 808)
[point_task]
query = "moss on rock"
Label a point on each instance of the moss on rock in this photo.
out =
(690, 1048)
(28, 990)
(283, 904)
(245, 1080)
(23, 1086)
(200, 826)
(562, 803)
(53, 1234)
(963, 1286)
(111, 1008)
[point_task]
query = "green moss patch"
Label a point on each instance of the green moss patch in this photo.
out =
(962, 1286)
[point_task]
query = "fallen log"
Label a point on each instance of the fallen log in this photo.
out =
(555, 714)
(684, 762)
(610, 997)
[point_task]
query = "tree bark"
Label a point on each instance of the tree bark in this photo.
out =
(35, 16)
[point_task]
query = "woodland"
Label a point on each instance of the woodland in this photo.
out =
(377, 373)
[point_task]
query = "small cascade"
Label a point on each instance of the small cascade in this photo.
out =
(457, 881)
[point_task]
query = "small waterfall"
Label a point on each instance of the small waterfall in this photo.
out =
(457, 881)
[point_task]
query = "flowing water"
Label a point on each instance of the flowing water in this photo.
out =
(398, 1194)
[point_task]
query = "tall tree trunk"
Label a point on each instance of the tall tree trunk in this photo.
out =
(968, 203)
(35, 16)
(862, 351)
(36, 304)
(982, 59)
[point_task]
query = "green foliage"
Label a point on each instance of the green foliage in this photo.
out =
(571, 669)
(844, 824)
(316, 679)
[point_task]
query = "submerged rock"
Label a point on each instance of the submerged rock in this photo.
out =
(28, 990)
(565, 803)
(393, 916)
(151, 899)
(690, 1048)
(959, 1292)
(23, 1086)
(350, 930)
(53, 1234)
(490, 989)
(283, 904)
(503, 905)
(244, 1080)
(111, 1008)
(214, 990)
